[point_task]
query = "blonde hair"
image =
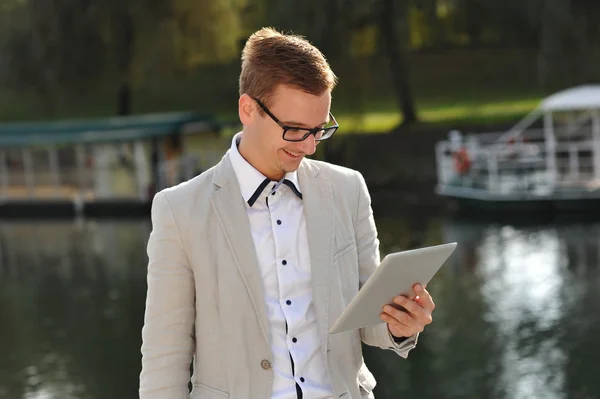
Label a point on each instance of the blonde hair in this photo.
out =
(270, 59)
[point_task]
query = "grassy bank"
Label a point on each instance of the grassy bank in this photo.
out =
(444, 114)
(473, 87)
(377, 117)
(381, 117)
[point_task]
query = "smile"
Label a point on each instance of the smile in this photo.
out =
(293, 154)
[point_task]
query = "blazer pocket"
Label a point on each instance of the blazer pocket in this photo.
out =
(345, 263)
(345, 249)
(366, 381)
(202, 391)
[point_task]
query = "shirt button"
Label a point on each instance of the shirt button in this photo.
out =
(265, 364)
(301, 379)
(279, 222)
(294, 340)
(284, 262)
(288, 302)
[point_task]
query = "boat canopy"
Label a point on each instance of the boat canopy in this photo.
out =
(101, 130)
(580, 98)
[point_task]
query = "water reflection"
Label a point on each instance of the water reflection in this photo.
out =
(518, 312)
(71, 295)
(517, 317)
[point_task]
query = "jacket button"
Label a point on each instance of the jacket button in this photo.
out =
(265, 364)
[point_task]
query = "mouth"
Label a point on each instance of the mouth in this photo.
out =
(294, 155)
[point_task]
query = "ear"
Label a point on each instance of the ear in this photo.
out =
(246, 109)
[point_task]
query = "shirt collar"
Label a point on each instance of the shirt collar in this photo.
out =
(248, 177)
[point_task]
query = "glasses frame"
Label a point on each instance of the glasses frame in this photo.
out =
(285, 128)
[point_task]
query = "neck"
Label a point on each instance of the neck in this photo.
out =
(250, 152)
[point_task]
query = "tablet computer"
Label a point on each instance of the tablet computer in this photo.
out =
(397, 274)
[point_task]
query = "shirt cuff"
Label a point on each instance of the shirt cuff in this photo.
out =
(404, 343)
(399, 340)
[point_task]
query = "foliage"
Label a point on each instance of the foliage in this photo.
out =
(56, 51)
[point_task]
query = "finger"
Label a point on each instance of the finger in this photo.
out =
(412, 307)
(426, 303)
(397, 328)
(398, 315)
(425, 300)
(404, 328)
(416, 289)
(412, 295)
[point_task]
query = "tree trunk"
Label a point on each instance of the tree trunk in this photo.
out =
(474, 19)
(554, 59)
(124, 99)
(437, 38)
(324, 30)
(125, 61)
(397, 57)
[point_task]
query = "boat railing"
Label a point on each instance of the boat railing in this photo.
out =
(87, 173)
(522, 165)
(174, 171)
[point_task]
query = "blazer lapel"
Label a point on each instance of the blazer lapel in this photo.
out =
(318, 209)
(230, 209)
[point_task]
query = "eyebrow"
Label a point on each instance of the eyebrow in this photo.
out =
(300, 124)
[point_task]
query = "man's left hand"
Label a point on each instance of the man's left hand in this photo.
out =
(413, 316)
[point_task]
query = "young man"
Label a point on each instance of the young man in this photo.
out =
(252, 261)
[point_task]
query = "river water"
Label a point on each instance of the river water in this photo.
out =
(518, 310)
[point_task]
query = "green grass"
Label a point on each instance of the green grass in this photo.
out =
(370, 117)
(383, 117)
(443, 115)
(460, 108)
(452, 88)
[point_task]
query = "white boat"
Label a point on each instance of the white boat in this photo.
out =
(552, 166)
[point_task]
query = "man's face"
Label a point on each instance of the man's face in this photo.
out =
(292, 107)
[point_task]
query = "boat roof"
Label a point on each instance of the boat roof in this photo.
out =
(584, 97)
(101, 130)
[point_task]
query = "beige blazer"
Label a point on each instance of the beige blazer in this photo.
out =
(205, 297)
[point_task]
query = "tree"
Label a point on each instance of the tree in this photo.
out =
(331, 22)
(207, 32)
(395, 48)
(57, 49)
(53, 48)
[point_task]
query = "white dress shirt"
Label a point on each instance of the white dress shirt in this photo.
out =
(278, 229)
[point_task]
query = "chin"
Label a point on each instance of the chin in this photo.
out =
(289, 167)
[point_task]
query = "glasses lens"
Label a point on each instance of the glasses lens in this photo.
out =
(295, 134)
(326, 133)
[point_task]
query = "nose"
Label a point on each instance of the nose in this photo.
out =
(309, 145)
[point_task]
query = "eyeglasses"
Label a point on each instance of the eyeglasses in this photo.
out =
(294, 133)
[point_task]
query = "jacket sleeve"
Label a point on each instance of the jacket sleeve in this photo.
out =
(167, 336)
(368, 260)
